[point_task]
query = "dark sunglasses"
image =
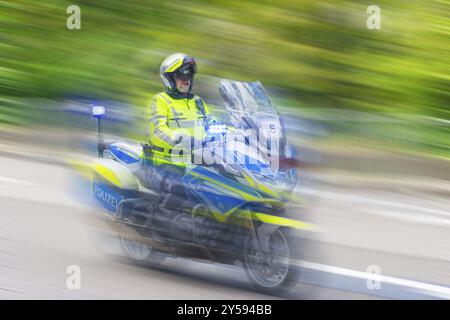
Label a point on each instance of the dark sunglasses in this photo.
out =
(182, 76)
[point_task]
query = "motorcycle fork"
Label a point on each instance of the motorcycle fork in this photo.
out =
(261, 235)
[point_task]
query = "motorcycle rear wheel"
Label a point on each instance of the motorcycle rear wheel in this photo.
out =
(136, 249)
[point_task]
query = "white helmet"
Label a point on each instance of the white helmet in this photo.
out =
(177, 63)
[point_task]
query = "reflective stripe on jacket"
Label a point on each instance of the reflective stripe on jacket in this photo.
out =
(170, 118)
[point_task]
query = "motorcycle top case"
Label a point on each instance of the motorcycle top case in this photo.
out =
(111, 180)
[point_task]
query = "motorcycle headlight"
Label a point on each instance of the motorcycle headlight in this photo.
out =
(217, 129)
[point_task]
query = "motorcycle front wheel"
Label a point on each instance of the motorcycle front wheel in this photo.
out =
(272, 272)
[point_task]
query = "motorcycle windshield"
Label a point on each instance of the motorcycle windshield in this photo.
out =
(247, 157)
(246, 97)
(250, 107)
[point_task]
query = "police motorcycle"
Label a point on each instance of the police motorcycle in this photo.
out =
(235, 206)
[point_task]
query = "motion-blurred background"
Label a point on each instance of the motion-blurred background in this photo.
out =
(370, 108)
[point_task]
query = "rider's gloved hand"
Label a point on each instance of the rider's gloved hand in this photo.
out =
(181, 138)
(187, 142)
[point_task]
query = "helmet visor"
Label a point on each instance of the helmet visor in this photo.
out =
(184, 75)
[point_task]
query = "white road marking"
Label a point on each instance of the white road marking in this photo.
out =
(17, 181)
(416, 218)
(425, 288)
(350, 198)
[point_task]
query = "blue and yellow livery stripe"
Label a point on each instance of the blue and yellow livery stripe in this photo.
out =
(245, 192)
(280, 221)
(107, 174)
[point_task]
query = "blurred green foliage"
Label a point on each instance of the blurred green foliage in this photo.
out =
(318, 54)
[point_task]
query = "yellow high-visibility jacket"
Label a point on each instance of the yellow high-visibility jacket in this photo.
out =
(170, 118)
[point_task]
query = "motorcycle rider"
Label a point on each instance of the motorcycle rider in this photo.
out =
(177, 118)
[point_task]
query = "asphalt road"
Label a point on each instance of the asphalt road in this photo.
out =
(44, 230)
